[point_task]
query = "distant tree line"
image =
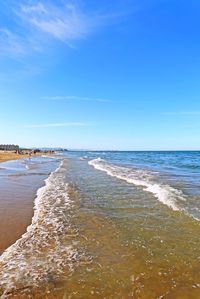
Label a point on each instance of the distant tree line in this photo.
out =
(9, 147)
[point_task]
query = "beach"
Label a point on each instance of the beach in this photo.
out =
(13, 155)
(105, 225)
(9, 155)
(19, 182)
(99, 149)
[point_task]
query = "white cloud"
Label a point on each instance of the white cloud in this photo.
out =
(75, 98)
(39, 8)
(65, 23)
(33, 25)
(66, 124)
(11, 44)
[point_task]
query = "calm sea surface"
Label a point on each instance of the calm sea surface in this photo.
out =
(105, 225)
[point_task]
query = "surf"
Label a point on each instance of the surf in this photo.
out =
(144, 179)
(43, 252)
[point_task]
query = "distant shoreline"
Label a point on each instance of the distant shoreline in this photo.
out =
(12, 155)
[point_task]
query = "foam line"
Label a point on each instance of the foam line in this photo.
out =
(41, 252)
(164, 193)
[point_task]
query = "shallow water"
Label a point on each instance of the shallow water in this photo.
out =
(19, 182)
(100, 230)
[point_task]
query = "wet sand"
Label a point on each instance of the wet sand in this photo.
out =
(16, 213)
(18, 191)
(112, 266)
(94, 238)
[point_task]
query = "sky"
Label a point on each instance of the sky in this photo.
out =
(107, 75)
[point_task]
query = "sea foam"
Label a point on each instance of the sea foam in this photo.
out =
(42, 253)
(144, 178)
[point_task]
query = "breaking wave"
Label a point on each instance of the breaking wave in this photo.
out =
(144, 178)
(43, 252)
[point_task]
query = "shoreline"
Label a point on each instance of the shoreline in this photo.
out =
(21, 212)
(79, 214)
(11, 155)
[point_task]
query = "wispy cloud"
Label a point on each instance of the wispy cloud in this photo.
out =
(11, 43)
(75, 98)
(182, 113)
(64, 21)
(54, 125)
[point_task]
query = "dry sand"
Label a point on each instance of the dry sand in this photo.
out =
(11, 155)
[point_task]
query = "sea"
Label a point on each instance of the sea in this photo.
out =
(101, 224)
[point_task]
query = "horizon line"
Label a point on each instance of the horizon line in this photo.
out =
(117, 150)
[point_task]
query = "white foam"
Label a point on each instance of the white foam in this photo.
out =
(164, 193)
(83, 158)
(41, 253)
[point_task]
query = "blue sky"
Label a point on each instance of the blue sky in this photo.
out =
(109, 74)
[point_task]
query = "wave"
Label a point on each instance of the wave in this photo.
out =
(43, 252)
(144, 178)
(49, 156)
(190, 166)
(84, 158)
(27, 174)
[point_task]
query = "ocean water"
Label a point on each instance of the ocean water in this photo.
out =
(105, 225)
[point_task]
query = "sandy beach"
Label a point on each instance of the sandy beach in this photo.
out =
(94, 235)
(12, 155)
(20, 179)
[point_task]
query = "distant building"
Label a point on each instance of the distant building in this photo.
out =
(9, 147)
